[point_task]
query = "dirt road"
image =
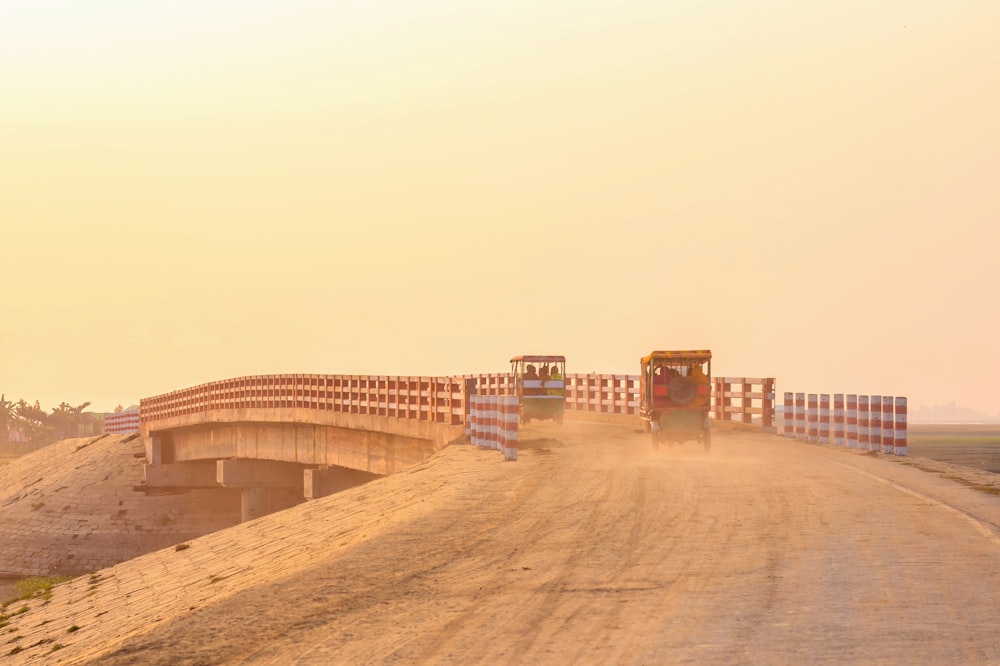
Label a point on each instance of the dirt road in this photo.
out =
(594, 549)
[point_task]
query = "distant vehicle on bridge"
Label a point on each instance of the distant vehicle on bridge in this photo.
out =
(675, 392)
(540, 383)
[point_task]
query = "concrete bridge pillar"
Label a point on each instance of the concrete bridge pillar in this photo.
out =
(265, 486)
(254, 503)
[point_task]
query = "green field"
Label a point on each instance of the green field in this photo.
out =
(976, 446)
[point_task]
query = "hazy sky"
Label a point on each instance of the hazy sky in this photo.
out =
(202, 189)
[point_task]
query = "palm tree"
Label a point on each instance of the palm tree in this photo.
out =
(59, 419)
(33, 417)
(8, 417)
(66, 420)
(78, 420)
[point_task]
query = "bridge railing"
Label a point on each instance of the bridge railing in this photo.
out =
(737, 399)
(602, 393)
(493, 384)
(744, 400)
(122, 423)
(436, 399)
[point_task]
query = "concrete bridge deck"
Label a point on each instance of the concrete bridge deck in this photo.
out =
(281, 439)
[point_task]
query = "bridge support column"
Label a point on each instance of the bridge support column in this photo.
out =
(254, 503)
(260, 501)
(266, 486)
(160, 449)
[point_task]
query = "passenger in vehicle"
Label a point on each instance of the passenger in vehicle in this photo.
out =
(530, 374)
(554, 375)
(664, 375)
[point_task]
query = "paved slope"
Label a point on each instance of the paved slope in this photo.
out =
(69, 508)
(592, 549)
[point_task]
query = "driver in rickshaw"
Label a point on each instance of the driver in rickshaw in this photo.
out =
(531, 374)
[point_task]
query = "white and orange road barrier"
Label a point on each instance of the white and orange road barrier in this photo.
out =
(788, 415)
(824, 417)
(812, 418)
(838, 419)
(875, 422)
(899, 441)
(888, 426)
(800, 416)
(864, 434)
(493, 423)
(871, 423)
(852, 421)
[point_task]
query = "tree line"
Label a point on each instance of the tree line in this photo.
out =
(29, 425)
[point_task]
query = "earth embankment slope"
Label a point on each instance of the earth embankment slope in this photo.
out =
(70, 508)
(589, 549)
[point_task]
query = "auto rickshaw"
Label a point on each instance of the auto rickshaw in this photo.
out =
(539, 382)
(675, 392)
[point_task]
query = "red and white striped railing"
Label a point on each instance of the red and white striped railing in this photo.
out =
(869, 423)
(436, 399)
(602, 393)
(738, 399)
(122, 423)
(744, 400)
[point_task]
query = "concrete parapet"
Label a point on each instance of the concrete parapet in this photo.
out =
(187, 475)
(258, 474)
(320, 482)
(374, 451)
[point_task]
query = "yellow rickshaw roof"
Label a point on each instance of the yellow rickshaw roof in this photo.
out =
(689, 354)
(539, 359)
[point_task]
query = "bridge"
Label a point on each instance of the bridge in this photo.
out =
(284, 438)
(281, 438)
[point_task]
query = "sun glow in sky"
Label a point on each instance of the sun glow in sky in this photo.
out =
(191, 191)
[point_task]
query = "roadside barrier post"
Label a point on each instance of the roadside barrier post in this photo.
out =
(852, 421)
(788, 416)
(888, 426)
(824, 418)
(800, 416)
(495, 422)
(864, 443)
(812, 416)
(875, 422)
(900, 434)
(510, 427)
(838, 419)
(476, 412)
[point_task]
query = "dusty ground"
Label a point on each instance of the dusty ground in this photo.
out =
(589, 549)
